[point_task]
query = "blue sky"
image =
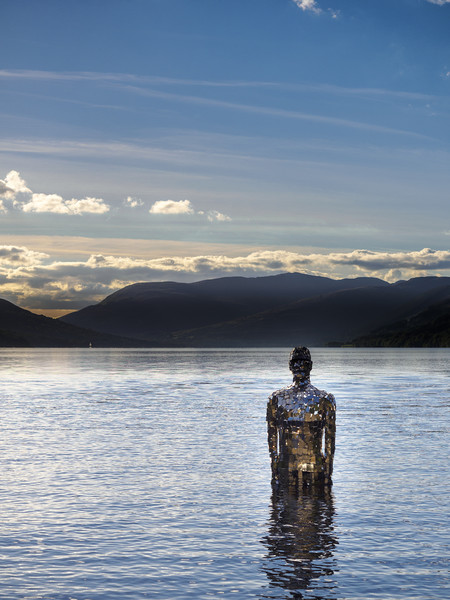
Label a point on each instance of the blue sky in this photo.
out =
(184, 139)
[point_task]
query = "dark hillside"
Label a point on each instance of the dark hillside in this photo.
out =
(427, 329)
(153, 311)
(322, 319)
(21, 328)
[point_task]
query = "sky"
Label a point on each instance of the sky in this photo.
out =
(155, 140)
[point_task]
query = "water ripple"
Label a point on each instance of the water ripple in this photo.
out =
(132, 474)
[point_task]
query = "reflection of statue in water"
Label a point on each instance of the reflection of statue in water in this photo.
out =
(300, 544)
(301, 428)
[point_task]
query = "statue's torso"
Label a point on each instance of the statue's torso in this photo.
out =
(301, 412)
(302, 403)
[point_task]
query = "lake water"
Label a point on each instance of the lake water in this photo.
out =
(131, 474)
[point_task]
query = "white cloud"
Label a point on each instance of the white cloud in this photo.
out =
(45, 203)
(53, 203)
(5, 191)
(263, 261)
(33, 279)
(184, 207)
(310, 5)
(13, 256)
(87, 205)
(12, 185)
(215, 215)
(439, 2)
(376, 261)
(172, 207)
(14, 188)
(133, 202)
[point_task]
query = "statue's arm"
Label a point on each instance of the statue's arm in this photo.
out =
(272, 429)
(330, 434)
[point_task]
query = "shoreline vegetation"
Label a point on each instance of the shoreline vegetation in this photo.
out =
(274, 311)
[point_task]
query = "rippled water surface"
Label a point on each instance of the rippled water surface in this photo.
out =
(131, 474)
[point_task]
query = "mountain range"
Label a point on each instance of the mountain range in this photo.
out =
(280, 310)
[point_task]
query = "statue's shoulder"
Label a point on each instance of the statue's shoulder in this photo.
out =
(329, 398)
(323, 395)
(281, 393)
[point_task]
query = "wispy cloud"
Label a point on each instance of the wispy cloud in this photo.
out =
(439, 2)
(272, 112)
(140, 85)
(313, 7)
(133, 202)
(308, 5)
(123, 78)
(33, 279)
(215, 215)
(145, 80)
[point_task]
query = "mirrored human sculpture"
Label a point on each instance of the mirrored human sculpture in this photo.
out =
(301, 422)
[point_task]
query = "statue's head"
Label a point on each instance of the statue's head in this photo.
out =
(300, 363)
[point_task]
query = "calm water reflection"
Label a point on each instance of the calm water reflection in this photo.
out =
(300, 544)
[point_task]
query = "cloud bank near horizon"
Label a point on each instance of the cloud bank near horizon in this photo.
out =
(34, 280)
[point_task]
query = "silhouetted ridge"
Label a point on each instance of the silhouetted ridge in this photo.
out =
(316, 321)
(279, 310)
(154, 311)
(22, 328)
